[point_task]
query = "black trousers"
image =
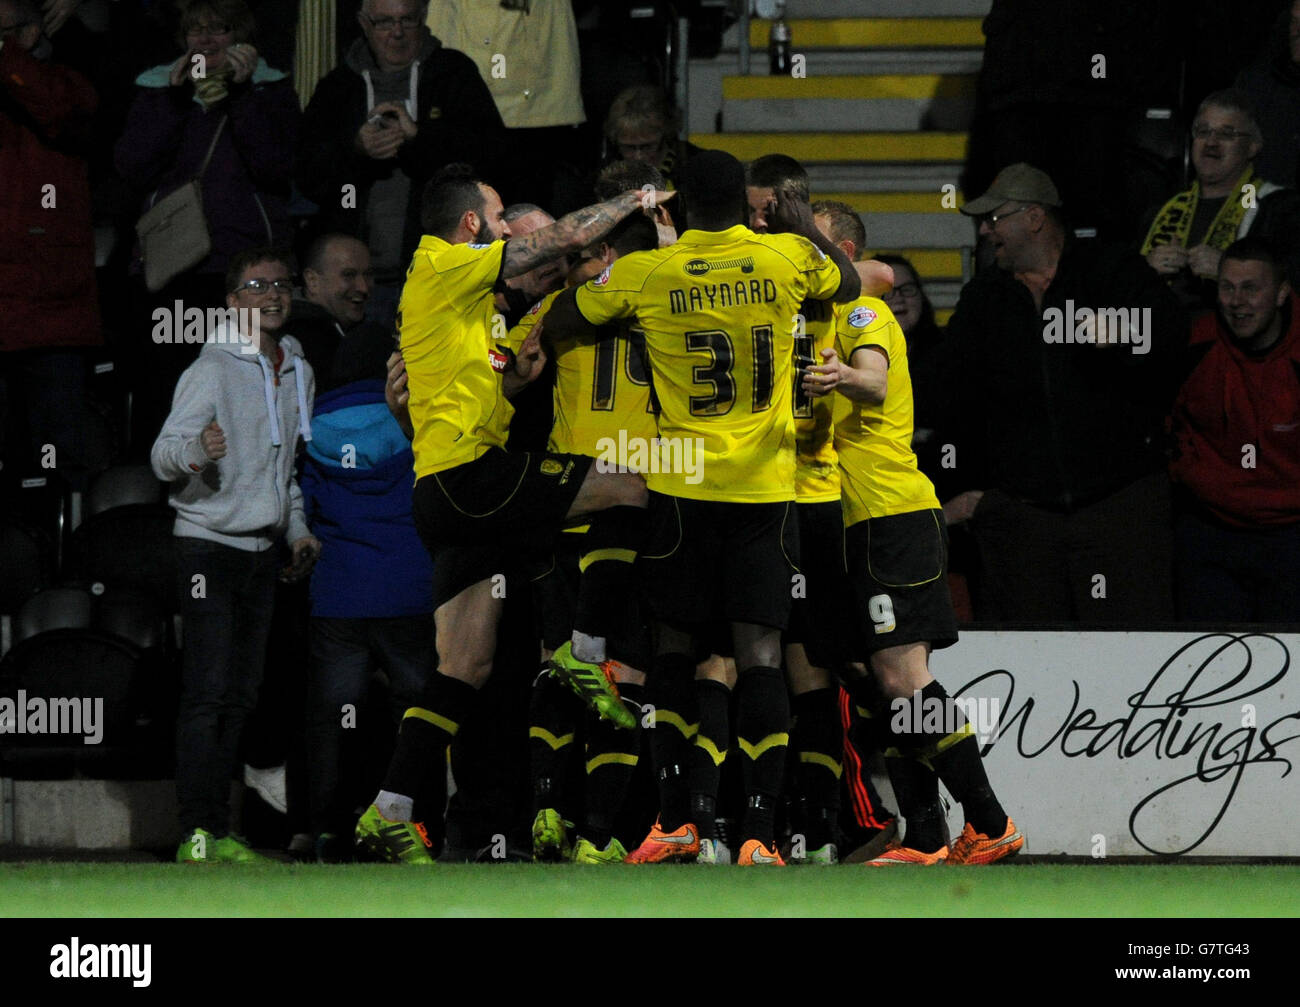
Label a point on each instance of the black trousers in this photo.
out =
(226, 598)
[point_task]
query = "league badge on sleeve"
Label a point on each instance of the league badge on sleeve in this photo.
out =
(862, 316)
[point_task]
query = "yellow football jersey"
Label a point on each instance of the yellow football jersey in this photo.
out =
(816, 471)
(448, 319)
(602, 392)
(878, 469)
(717, 310)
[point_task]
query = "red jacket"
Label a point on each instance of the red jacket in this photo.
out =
(47, 253)
(1230, 402)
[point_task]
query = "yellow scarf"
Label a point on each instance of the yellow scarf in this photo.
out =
(1174, 221)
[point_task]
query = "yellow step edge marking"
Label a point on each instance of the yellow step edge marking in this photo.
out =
(918, 86)
(875, 32)
(932, 264)
(813, 147)
(891, 202)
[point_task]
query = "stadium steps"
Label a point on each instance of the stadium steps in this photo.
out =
(880, 120)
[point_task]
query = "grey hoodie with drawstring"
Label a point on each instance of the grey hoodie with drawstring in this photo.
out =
(249, 499)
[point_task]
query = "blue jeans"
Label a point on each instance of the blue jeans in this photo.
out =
(344, 652)
(225, 634)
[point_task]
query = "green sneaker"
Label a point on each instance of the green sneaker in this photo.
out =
(586, 852)
(708, 852)
(235, 850)
(202, 847)
(396, 842)
(823, 856)
(551, 837)
(594, 683)
(199, 847)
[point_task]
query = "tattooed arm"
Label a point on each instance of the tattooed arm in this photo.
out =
(571, 233)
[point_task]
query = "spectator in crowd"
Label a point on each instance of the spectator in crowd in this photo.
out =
(527, 53)
(642, 126)
(218, 88)
(229, 449)
(1228, 200)
(1237, 460)
(48, 304)
(1057, 399)
(371, 594)
(1272, 83)
(912, 310)
(336, 283)
(378, 127)
(1053, 74)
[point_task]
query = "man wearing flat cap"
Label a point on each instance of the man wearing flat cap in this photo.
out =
(1058, 379)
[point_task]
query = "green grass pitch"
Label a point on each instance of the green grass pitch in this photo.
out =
(1023, 889)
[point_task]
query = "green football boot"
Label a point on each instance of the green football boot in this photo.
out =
(594, 683)
(396, 842)
(551, 837)
(586, 852)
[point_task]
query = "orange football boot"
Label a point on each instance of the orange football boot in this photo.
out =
(682, 845)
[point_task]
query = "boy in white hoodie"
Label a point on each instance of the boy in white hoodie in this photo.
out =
(228, 448)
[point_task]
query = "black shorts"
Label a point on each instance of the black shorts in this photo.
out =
(499, 510)
(821, 609)
(898, 571)
(708, 560)
(556, 597)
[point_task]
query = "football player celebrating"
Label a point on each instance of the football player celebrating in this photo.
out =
(476, 507)
(896, 548)
(716, 309)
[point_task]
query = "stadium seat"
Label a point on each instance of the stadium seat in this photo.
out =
(54, 669)
(127, 546)
(29, 558)
(53, 609)
(122, 486)
(39, 502)
(134, 616)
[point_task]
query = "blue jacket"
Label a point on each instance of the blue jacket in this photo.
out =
(357, 481)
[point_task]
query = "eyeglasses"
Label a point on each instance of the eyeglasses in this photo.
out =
(992, 218)
(194, 31)
(1223, 133)
(262, 286)
(905, 290)
(384, 25)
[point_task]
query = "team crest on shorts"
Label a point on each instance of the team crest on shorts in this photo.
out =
(550, 467)
(861, 317)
